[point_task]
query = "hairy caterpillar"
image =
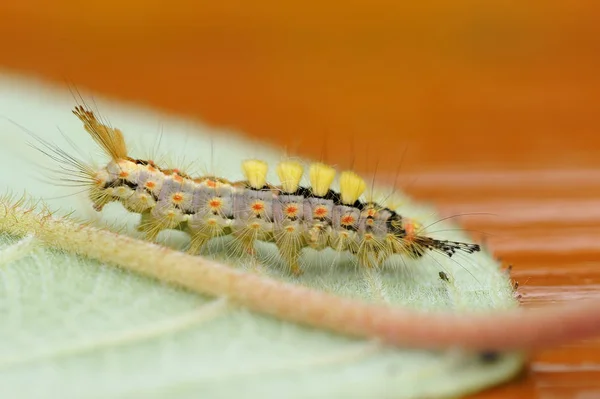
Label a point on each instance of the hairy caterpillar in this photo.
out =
(289, 215)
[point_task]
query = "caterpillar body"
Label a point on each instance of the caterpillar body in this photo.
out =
(289, 215)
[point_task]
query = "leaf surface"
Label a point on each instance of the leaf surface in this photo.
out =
(73, 328)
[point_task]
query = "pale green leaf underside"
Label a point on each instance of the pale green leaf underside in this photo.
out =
(75, 328)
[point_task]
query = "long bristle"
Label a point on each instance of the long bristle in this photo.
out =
(72, 170)
(447, 247)
(110, 139)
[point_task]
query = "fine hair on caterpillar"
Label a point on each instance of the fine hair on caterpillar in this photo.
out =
(291, 216)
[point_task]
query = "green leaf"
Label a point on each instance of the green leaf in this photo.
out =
(72, 327)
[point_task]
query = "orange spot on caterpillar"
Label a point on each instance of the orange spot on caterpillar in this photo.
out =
(290, 229)
(291, 210)
(320, 212)
(215, 203)
(409, 228)
(177, 198)
(347, 220)
(258, 207)
(177, 178)
(150, 185)
(211, 183)
(123, 174)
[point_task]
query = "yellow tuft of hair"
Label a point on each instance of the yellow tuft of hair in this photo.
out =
(290, 173)
(321, 176)
(352, 186)
(255, 172)
(110, 139)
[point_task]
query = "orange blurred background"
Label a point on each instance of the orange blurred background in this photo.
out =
(491, 84)
(461, 86)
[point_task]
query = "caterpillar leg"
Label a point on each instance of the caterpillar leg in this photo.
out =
(290, 242)
(149, 227)
(295, 268)
(245, 239)
(248, 247)
(245, 249)
(345, 240)
(203, 228)
(291, 259)
(152, 225)
(197, 243)
(368, 259)
(373, 252)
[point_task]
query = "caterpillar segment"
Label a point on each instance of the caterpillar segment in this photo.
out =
(291, 216)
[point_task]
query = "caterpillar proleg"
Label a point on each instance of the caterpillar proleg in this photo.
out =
(289, 215)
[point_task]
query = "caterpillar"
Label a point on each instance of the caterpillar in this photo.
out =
(291, 216)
